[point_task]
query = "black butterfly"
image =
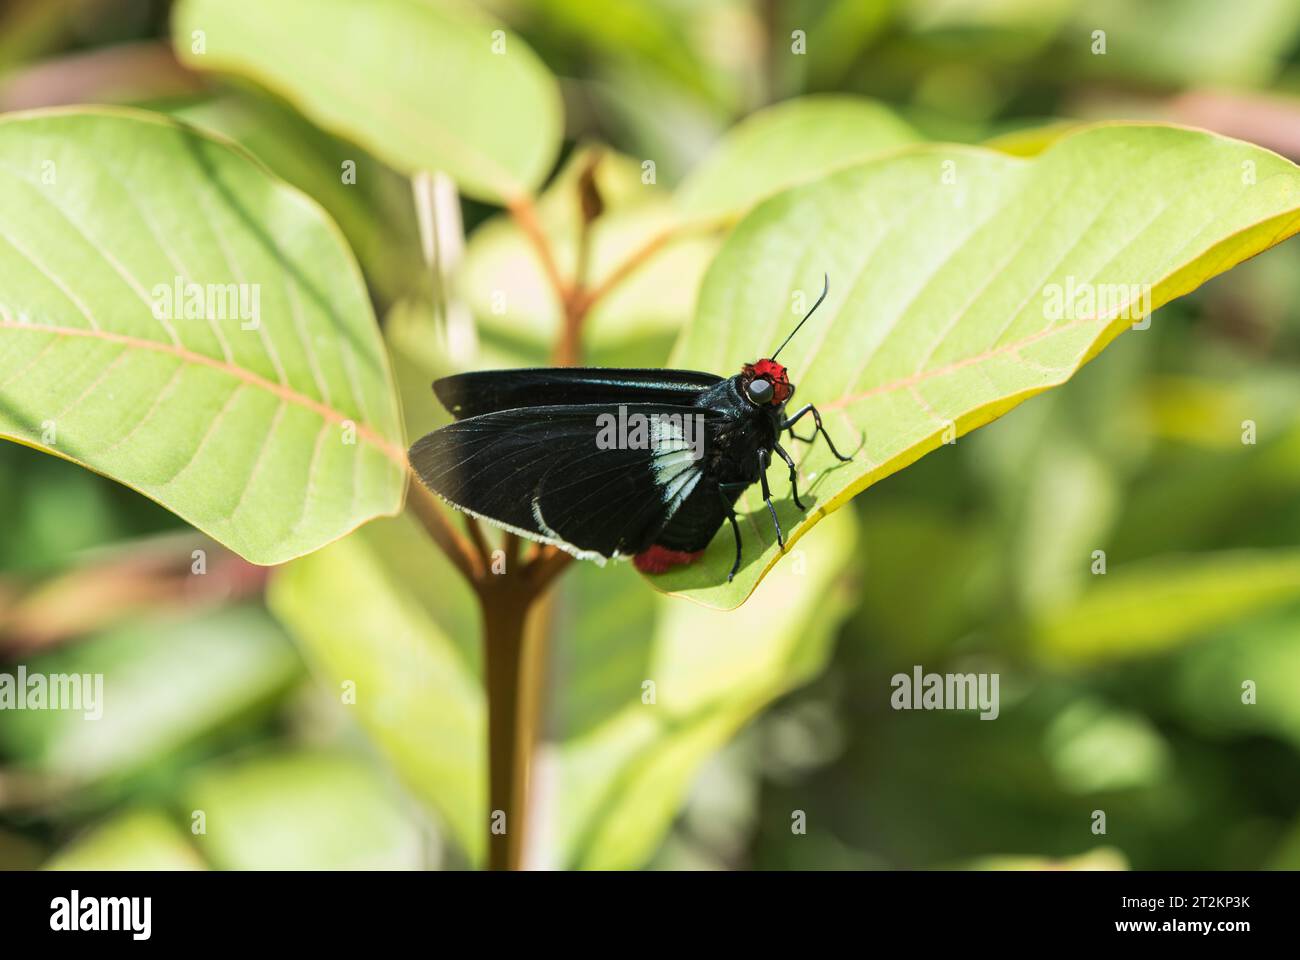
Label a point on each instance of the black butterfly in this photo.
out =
(614, 462)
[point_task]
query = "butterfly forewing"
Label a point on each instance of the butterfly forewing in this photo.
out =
(473, 394)
(542, 472)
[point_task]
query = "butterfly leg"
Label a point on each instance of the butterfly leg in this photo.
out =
(763, 460)
(731, 515)
(794, 473)
(817, 419)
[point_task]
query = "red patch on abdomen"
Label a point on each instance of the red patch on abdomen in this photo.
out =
(657, 559)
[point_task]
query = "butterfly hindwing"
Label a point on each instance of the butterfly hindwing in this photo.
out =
(541, 472)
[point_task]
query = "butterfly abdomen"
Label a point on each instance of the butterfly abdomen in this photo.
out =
(657, 559)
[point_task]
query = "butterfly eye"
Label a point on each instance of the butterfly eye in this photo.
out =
(759, 390)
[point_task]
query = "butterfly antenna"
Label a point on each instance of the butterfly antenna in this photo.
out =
(826, 288)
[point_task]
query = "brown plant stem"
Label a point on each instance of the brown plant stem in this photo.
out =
(475, 531)
(511, 725)
(514, 635)
(514, 656)
(431, 515)
(524, 212)
(510, 547)
(568, 351)
(584, 299)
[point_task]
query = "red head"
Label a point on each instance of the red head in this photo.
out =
(779, 389)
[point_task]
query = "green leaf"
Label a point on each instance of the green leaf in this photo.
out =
(784, 145)
(421, 85)
(145, 839)
(302, 811)
(1177, 42)
(274, 430)
(407, 656)
(1154, 605)
(1209, 685)
(1031, 140)
(374, 211)
(942, 262)
(657, 37)
(1095, 747)
(165, 684)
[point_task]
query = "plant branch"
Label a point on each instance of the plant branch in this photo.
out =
(568, 349)
(524, 212)
(548, 564)
(588, 298)
(449, 540)
(475, 530)
(590, 207)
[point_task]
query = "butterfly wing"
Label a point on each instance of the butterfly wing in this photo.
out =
(541, 472)
(487, 391)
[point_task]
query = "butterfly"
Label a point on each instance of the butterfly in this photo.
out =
(607, 463)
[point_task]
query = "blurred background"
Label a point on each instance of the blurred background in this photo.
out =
(327, 714)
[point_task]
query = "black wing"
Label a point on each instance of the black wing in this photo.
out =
(540, 473)
(487, 391)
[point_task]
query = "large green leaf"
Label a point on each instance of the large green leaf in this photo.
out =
(273, 433)
(940, 316)
(786, 144)
(423, 86)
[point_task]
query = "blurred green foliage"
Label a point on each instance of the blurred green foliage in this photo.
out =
(1121, 692)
